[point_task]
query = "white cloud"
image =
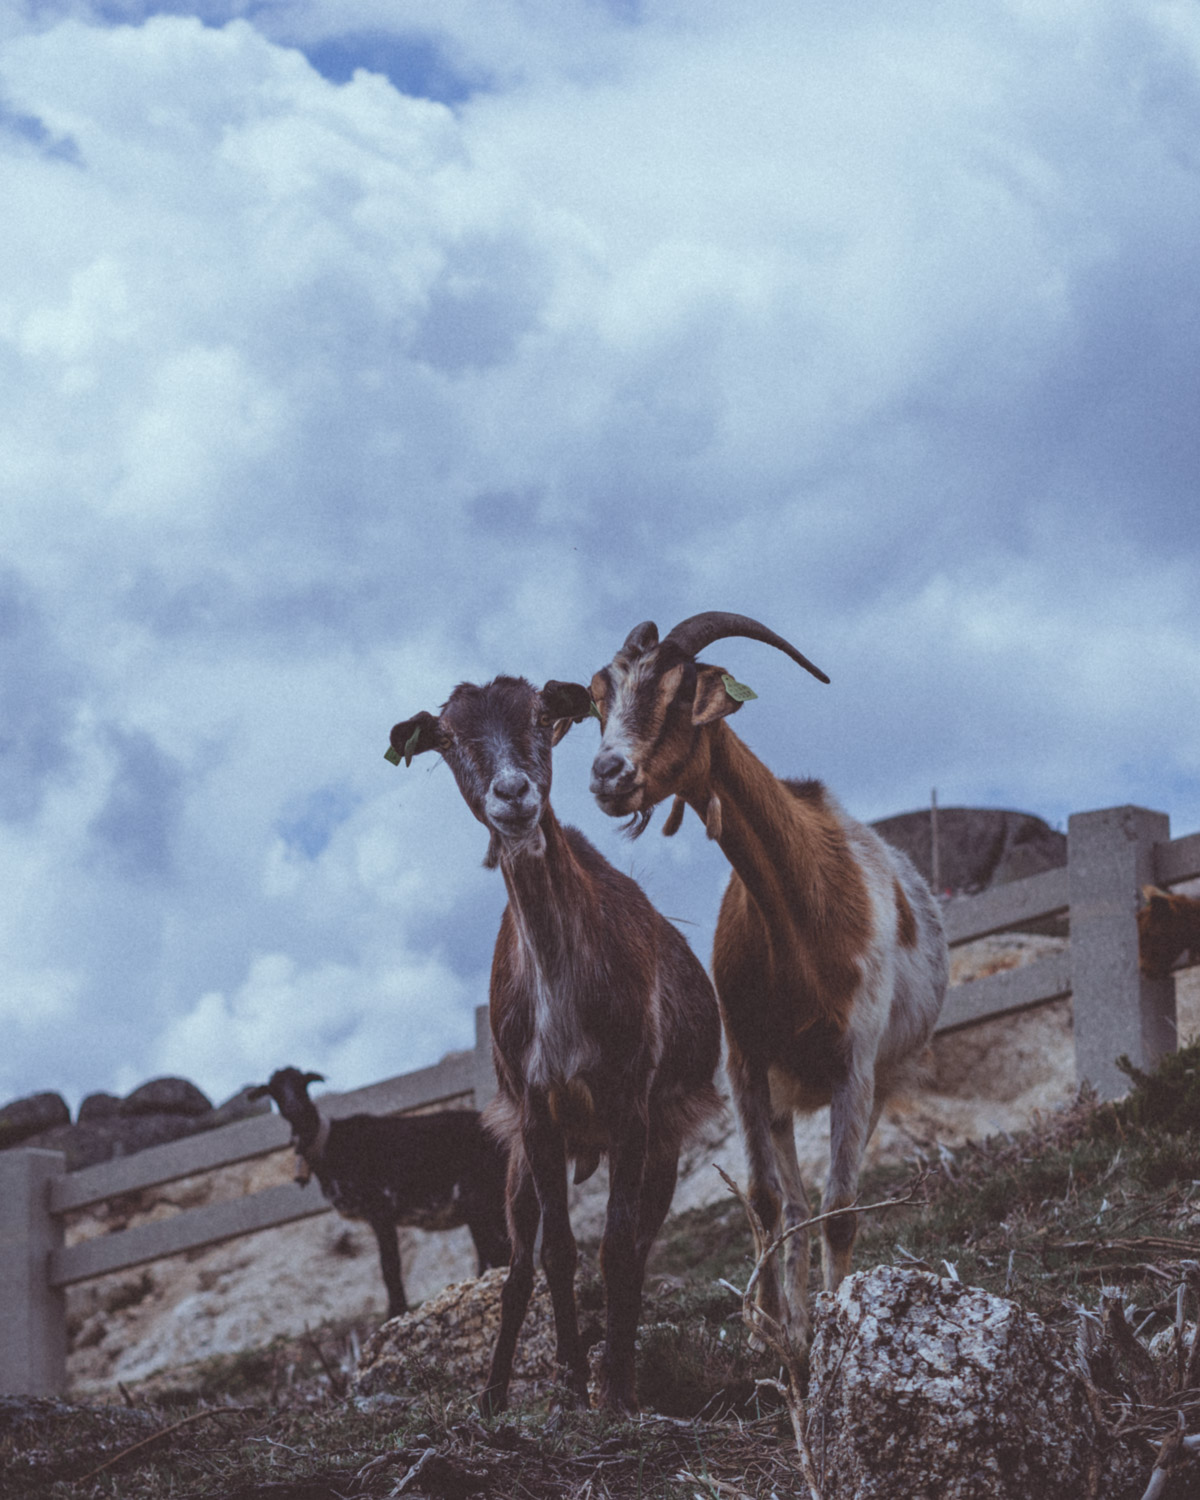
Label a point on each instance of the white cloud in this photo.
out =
(346, 1022)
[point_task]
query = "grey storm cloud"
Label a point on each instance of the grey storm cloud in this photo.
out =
(349, 356)
(40, 689)
(135, 833)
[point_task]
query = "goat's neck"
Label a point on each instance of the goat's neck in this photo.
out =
(310, 1132)
(549, 893)
(790, 855)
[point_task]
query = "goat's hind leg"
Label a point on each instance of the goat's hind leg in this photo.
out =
(795, 1254)
(854, 1112)
(523, 1216)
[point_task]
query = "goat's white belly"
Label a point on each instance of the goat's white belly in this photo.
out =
(560, 1048)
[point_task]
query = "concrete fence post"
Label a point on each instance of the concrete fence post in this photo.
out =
(33, 1322)
(485, 1067)
(1116, 1010)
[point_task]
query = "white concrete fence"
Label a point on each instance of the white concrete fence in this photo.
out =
(1111, 854)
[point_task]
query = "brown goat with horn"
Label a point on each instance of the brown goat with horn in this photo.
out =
(605, 1028)
(829, 956)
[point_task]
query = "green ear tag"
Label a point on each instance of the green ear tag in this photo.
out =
(593, 712)
(392, 754)
(410, 748)
(737, 690)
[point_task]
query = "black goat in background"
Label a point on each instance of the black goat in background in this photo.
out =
(434, 1171)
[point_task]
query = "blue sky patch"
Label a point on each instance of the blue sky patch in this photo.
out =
(308, 831)
(414, 64)
(30, 129)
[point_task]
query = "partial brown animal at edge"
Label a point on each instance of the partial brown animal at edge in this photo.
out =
(1168, 929)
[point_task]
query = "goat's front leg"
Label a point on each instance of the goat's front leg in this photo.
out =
(524, 1213)
(621, 1264)
(546, 1152)
(752, 1095)
(387, 1238)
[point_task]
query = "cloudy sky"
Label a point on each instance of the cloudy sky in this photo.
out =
(349, 350)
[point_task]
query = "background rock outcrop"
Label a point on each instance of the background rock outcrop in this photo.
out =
(977, 846)
(160, 1110)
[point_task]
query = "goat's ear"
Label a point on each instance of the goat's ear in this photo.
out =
(259, 1091)
(714, 699)
(413, 737)
(564, 704)
(1152, 894)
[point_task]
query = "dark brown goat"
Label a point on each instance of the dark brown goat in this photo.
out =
(604, 1025)
(829, 956)
(1168, 926)
(435, 1171)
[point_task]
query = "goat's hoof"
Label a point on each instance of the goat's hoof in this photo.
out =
(618, 1390)
(493, 1401)
(623, 1401)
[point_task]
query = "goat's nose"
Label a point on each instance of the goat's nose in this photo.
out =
(511, 786)
(611, 772)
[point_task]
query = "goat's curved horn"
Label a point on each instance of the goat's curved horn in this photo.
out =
(641, 638)
(692, 635)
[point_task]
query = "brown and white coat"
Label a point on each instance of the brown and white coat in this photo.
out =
(829, 956)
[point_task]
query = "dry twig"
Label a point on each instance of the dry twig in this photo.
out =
(209, 1411)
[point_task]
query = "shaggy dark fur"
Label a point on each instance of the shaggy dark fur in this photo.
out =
(435, 1171)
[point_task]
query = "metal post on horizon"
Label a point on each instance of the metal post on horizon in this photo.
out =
(935, 866)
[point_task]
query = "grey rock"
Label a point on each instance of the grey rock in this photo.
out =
(23, 1119)
(977, 846)
(166, 1096)
(923, 1388)
(88, 1142)
(98, 1107)
(240, 1106)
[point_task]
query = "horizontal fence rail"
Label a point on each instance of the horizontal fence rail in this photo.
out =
(1111, 855)
(1007, 992)
(246, 1139)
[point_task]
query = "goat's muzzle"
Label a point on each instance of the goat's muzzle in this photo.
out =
(614, 784)
(513, 808)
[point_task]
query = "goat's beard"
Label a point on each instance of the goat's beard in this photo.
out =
(639, 822)
(532, 843)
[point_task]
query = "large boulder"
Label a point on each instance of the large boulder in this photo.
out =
(98, 1107)
(977, 846)
(450, 1339)
(162, 1110)
(25, 1118)
(166, 1096)
(923, 1388)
